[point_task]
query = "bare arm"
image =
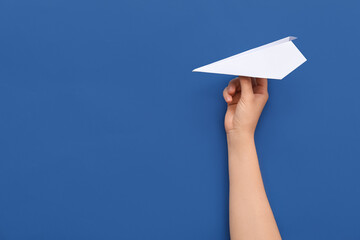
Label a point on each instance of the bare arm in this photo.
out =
(249, 210)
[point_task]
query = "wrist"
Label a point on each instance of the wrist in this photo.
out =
(239, 140)
(238, 135)
(240, 144)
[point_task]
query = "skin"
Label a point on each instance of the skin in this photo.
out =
(250, 214)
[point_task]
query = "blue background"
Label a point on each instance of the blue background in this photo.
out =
(105, 133)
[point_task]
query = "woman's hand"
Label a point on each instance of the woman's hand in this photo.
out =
(246, 98)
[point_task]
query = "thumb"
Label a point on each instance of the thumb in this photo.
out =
(246, 86)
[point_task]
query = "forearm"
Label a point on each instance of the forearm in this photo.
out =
(250, 213)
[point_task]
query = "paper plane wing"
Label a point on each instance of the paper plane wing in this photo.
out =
(274, 60)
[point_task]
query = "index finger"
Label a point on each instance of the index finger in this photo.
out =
(234, 85)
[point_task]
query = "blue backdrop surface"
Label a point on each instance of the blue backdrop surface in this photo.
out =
(105, 133)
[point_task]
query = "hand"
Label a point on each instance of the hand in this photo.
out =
(246, 98)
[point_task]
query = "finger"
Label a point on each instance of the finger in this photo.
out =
(254, 83)
(233, 85)
(262, 85)
(227, 96)
(235, 98)
(246, 86)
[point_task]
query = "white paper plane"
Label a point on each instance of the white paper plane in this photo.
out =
(274, 60)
